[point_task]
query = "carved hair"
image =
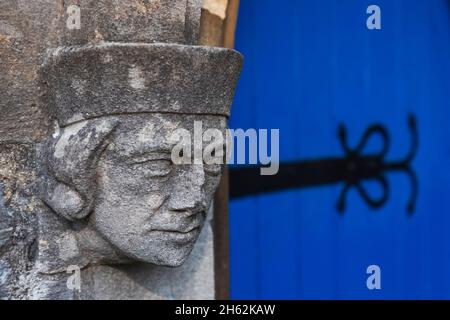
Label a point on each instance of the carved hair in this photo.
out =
(72, 157)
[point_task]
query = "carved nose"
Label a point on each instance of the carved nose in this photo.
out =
(188, 191)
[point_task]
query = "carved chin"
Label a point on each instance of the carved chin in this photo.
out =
(160, 248)
(173, 257)
(174, 261)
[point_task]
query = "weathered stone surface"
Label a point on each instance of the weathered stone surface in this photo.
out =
(138, 281)
(193, 280)
(146, 21)
(90, 81)
(18, 207)
(24, 37)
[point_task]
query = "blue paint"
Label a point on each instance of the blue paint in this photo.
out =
(310, 65)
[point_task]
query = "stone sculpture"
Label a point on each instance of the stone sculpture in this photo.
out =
(108, 165)
(122, 78)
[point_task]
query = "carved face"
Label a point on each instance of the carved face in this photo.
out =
(146, 206)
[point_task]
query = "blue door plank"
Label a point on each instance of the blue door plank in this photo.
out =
(309, 66)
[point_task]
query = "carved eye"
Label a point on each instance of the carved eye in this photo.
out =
(155, 168)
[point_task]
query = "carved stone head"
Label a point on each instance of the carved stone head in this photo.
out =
(109, 164)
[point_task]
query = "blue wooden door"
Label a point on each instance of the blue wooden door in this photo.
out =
(309, 66)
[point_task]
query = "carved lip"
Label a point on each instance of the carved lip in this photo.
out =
(189, 227)
(185, 231)
(177, 235)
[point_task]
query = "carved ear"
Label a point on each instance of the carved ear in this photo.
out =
(65, 201)
(71, 162)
